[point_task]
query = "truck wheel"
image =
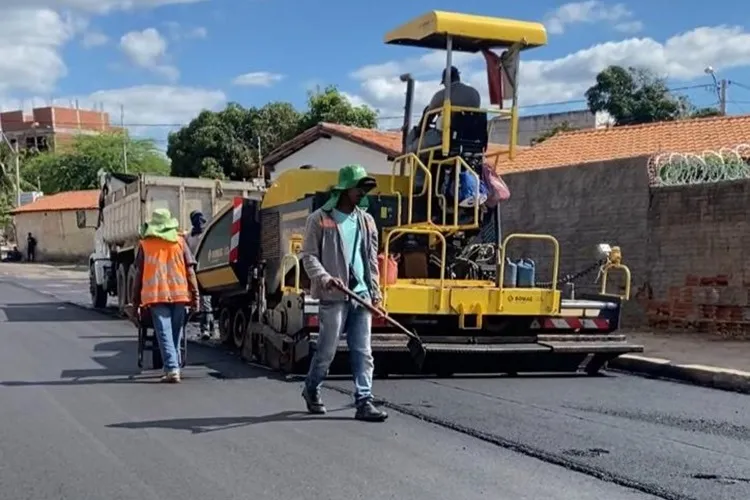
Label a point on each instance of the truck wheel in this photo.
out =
(122, 297)
(239, 329)
(129, 282)
(98, 294)
(225, 325)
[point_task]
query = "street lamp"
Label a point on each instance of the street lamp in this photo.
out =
(720, 87)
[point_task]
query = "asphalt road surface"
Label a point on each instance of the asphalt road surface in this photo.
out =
(79, 423)
(659, 438)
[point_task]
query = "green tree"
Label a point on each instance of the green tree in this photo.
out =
(564, 126)
(224, 144)
(333, 107)
(634, 95)
(76, 166)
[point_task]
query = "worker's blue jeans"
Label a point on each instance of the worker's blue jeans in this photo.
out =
(169, 322)
(336, 318)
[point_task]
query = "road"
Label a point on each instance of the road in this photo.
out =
(79, 423)
(526, 437)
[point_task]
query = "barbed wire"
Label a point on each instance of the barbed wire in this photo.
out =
(679, 169)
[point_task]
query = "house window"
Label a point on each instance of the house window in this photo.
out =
(41, 143)
(30, 142)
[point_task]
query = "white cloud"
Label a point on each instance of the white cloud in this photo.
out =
(629, 27)
(149, 110)
(95, 6)
(30, 43)
(589, 11)
(148, 49)
(94, 39)
(178, 32)
(681, 57)
(199, 32)
(257, 79)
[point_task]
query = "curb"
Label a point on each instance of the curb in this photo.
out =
(706, 376)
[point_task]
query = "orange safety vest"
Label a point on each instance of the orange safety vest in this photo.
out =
(164, 274)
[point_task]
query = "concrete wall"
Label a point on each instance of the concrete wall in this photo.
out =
(58, 237)
(332, 154)
(582, 206)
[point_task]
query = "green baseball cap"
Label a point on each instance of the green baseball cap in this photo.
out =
(350, 176)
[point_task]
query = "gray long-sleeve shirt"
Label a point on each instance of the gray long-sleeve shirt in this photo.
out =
(323, 254)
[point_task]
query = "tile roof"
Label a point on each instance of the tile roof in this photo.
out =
(595, 145)
(384, 141)
(68, 200)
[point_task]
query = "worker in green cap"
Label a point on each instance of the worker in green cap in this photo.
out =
(340, 249)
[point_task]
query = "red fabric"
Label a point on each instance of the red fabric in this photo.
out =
(494, 77)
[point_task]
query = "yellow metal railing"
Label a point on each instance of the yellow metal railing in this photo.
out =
(285, 269)
(458, 165)
(614, 261)
(412, 161)
(413, 164)
(524, 236)
(443, 255)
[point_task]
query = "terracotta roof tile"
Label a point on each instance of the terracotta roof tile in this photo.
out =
(68, 200)
(384, 141)
(595, 145)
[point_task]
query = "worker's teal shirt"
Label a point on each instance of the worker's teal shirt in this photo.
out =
(348, 225)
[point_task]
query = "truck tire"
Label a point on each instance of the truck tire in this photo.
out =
(98, 294)
(122, 294)
(225, 325)
(239, 329)
(129, 284)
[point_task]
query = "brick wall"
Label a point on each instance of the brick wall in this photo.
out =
(582, 206)
(699, 275)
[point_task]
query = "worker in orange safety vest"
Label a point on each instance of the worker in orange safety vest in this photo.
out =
(166, 284)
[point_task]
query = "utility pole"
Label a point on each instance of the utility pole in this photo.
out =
(18, 176)
(261, 173)
(723, 96)
(124, 138)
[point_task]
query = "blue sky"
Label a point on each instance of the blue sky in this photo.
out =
(164, 63)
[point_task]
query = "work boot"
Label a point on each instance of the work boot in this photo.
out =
(314, 402)
(206, 335)
(172, 377)
(368, 412)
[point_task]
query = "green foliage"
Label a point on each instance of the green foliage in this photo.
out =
(564, 126)
(705, 112)
(224, 144)
(76, 166)
(333, 107)
(633, 96)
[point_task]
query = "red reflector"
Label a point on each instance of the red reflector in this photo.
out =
(311, 320)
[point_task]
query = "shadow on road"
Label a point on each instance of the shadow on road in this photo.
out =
(118, 365)
(55, 312)
(212, 424)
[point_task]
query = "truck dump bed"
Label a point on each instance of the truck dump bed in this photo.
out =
(125, 209)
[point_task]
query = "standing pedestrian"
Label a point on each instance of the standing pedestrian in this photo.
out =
(30, 248)
(341, 249)
(207, 325)
(166, 285)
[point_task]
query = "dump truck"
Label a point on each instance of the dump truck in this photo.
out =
(126, 202)
(455, 287)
